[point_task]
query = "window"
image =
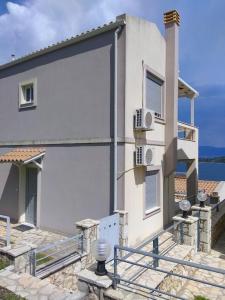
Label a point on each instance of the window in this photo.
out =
(152, 194)
(154, 95)
(28, 93)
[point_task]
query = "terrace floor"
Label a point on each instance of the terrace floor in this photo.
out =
(24, 235)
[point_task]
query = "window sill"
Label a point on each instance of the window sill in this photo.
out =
(160, 120)
(151, 212)
(27, 105)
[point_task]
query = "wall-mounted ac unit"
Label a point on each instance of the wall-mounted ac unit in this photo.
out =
(144, 119)
(144, 155)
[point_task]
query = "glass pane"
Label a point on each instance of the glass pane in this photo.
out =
(28, 94)
(151, 189)
(32, 93)
(154, 95)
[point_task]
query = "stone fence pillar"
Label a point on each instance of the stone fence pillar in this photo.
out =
(89, 229)
(123, 224)
(205, 227)
(186, 232)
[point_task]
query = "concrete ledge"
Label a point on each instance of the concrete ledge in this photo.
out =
(90, 277)
(87, 223)
(188, 220)
(15, 252)
(198, 208)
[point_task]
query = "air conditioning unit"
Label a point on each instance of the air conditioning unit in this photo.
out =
(144, 155)
(144, 119)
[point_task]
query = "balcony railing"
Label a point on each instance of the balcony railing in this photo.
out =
(186, 132)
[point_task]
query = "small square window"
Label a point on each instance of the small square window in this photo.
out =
(28, 93)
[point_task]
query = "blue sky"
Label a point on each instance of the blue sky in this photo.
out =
(26, 25)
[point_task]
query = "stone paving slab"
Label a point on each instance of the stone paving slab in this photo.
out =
(215, 258)
(33, 288)
(146, 277)
(31, 237)
(192, 288)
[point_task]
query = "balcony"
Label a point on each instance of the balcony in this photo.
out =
(187, 143)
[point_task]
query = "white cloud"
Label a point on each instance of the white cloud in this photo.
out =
(34, 24)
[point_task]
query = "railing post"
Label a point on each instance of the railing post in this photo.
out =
(115, 268)
(33, 262)
(8, 231)
(217, 208)
(156, 251)
(81, 243)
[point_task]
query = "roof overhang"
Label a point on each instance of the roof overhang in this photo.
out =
(68, 42)
(23, 156)
(185, 90)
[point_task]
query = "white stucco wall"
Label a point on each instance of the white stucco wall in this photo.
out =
(145, 46)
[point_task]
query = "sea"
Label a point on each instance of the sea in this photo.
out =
(207, 170)
(212, 171)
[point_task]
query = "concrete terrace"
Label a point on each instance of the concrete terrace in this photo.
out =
(23, 235)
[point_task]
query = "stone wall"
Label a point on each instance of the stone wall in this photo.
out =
(67, 277)
(185, 230)
(218, 222)
(205, 225)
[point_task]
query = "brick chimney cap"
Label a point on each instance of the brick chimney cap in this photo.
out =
(171, 17)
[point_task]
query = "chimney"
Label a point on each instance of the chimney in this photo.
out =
(13, 57)
(171, 21)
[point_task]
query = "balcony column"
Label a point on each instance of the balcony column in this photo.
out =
(192, 111)
(192, 181)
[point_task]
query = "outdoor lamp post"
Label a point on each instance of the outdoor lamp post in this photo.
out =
(202, 197)
(101, 251)
(185, 206)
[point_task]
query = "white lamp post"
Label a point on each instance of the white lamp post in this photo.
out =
(101, 251)
(202, 197)
(185, 206)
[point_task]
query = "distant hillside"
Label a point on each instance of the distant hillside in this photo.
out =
(208, 151)
(213, 159)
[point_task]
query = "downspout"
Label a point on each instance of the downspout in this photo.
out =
(115, 138)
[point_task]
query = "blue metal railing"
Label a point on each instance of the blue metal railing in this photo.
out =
(156, 258)
(51, 254)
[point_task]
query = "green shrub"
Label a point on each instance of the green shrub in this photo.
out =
(198, 297)
(7, 295)
(3, 263)
(44, 260)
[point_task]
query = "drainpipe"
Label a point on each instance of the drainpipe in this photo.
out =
(115, 139)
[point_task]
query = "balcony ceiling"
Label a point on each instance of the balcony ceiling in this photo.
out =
(185, 90)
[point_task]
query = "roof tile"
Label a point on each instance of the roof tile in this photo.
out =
(21, 155)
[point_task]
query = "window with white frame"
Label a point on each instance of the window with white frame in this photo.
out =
(152, 191)
(28, 93)
(154, 94)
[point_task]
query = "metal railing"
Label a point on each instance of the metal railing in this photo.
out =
(51, 256)
(217, 205)
(156, 267)
(5, 229)
(157, 244)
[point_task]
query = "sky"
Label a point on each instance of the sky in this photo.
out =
(28, 25)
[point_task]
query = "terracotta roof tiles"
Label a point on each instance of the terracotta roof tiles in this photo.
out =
(207, 185)
(21, 155)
